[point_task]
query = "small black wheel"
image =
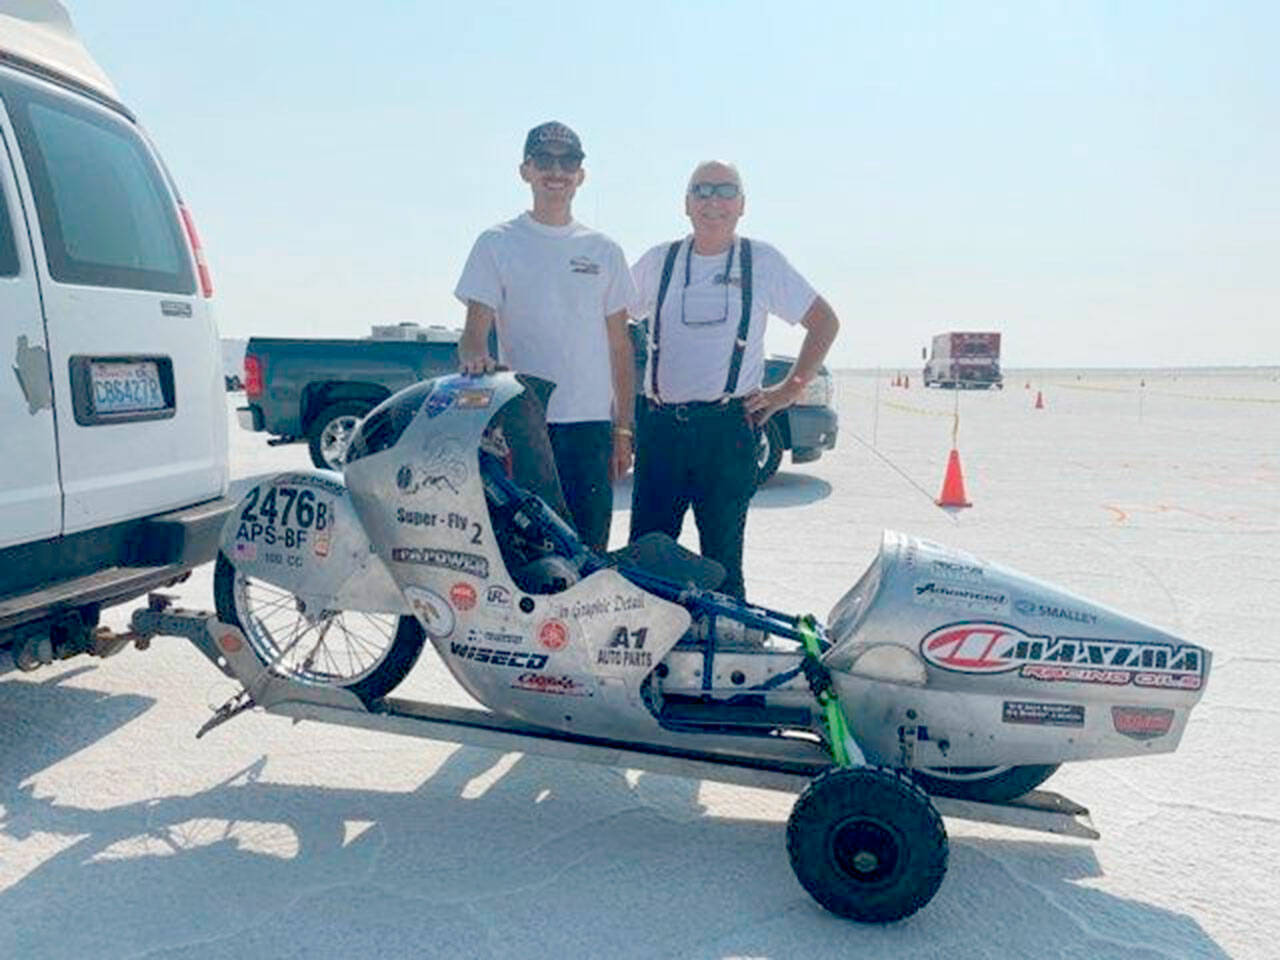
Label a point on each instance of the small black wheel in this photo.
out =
(330, 432)
(367, 654)
(985, 784)
(867, 844)
(768, 452)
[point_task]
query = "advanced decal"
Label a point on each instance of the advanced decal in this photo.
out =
(1043, 714)
(626, 649)
(1030, 608)
(517, 659)
(308, 480)
(1142, 723)
(935, 593)
(435, 615)
(469, 563)
(982, 647)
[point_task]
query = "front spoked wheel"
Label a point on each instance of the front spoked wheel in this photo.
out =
(367, 654)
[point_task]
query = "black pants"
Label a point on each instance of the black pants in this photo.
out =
(705, 458)
(582, 452)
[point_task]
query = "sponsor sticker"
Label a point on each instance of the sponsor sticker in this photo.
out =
(956, 571)
(1043, 714)
(432, 612)
(245, 551)
(626, 649)
(462, 596)
(563, 685)
(553, 635)
(473, 398)
(587, 609)
(495, 637)
(935, 593)
(1142, 723)
(496, 595)
(1030, 608)
(980, 647)
(470, 563)
(444, 469)
(517, 659)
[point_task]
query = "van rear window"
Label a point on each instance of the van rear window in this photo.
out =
(105, 213)
(8, 250)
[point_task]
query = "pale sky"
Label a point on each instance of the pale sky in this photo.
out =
(1098, 181)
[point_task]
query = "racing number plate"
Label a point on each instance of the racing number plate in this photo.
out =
(126, 387)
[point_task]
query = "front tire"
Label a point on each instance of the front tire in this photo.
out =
(984, 784)
(367, 654)
(867, 844)
(331, 431)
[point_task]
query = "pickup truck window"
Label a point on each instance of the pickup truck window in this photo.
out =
(105, 213)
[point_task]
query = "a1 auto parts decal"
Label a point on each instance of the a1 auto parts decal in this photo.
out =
(987, 647)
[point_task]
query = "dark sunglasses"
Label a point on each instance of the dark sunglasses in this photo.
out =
(568, 162)
(704, 191)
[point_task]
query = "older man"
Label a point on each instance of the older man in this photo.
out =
(557, 292)
(708, 298)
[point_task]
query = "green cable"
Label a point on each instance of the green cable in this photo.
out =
(837, 727)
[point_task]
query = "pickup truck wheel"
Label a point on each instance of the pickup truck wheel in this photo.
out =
(367, 654)
(768, 452)
(331, 431)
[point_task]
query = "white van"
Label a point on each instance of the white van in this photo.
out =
(113, 419)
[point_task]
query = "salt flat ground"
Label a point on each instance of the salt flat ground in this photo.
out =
(1155, 492)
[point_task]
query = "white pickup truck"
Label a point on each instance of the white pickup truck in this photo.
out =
(113, 477)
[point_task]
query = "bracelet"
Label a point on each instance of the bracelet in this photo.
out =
(624, 431)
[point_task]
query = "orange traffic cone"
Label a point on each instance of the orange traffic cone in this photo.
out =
(1039, 400)
(953, 484)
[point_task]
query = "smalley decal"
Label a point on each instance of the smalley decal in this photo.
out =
(982, 647)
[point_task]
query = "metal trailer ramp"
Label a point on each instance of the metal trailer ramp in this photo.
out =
(783, 763)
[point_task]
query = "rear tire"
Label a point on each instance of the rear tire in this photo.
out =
(867, 844)
(985, 784)
(768, 452)
(330, 432)
(367, 654)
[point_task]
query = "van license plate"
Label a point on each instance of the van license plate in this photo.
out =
(126, 387)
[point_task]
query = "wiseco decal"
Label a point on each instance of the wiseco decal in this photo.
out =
(986, 647)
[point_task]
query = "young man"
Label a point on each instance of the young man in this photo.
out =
(557, 293)
(708, 298)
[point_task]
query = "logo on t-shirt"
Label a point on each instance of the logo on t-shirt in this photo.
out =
(584, 265)
(733, 281)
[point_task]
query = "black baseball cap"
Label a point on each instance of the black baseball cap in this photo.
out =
(552, 133)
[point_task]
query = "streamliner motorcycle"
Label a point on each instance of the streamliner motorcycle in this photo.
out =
(939, 682)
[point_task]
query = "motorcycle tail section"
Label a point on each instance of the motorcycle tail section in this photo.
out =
(299, 531)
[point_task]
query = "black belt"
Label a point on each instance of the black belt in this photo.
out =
(697, 409)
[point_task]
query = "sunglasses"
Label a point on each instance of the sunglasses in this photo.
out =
(568, 162)
(704, 191)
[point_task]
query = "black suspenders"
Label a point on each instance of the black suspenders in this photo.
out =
(744, 323)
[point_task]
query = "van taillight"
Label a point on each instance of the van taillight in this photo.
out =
(197, 251)
(252, 375)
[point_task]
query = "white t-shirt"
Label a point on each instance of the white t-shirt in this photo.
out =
(551, 289)
(700, 319)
